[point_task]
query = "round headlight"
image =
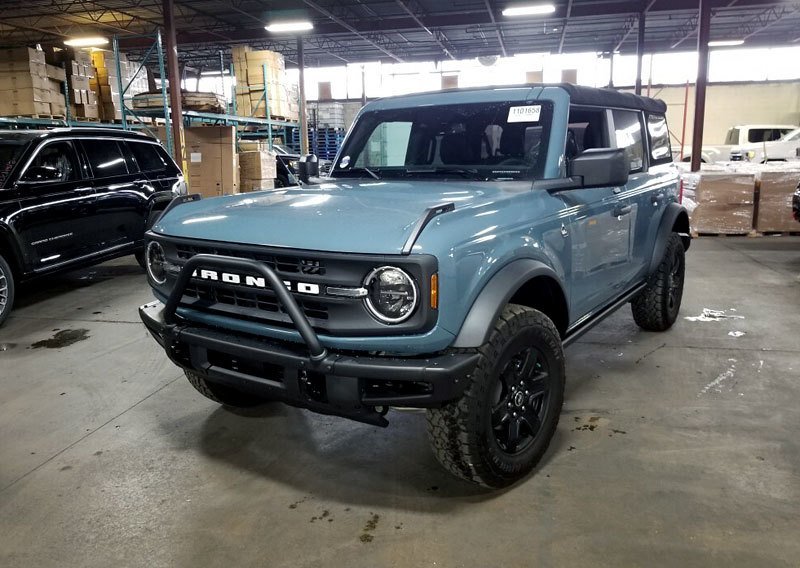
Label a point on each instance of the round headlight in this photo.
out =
(156, 262)
(391, 294)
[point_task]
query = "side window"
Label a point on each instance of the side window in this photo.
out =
(660, 151)
(386, 146)
(628, 133)
(586, 130)
(764, 134)
(56, 162)
(105, 157)
(733, 137)
(147, 157)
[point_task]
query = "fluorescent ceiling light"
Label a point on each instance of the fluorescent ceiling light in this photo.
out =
(531, 10)
(289, 27)
(725, 43)
(92, 41)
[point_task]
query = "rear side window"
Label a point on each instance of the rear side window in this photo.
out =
(628, 133)
(147, 157)
(105, 157)
(764, 134)
(660, 151)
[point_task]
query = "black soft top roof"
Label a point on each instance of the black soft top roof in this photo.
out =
(593, 96)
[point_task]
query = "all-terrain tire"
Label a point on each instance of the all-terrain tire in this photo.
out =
(656, 307)
(6, 289)
(464, 435)
(223, 394)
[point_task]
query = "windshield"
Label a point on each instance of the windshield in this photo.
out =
(10, 152)
(485, 141)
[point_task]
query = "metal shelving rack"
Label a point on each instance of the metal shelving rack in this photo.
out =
(131, 119)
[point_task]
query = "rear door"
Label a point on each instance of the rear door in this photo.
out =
(55, 202)
(156, 165)
(641, 197)
(122, 193)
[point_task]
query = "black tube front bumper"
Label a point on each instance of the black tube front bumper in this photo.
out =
(342, 384)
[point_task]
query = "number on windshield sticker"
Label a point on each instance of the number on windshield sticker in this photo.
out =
(524, 113)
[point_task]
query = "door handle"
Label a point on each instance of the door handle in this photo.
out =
(621, 210)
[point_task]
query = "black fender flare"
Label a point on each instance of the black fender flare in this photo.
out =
(673, 213)
(495, 295)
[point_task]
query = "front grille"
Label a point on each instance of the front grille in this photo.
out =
(265, 300)
(280, 263)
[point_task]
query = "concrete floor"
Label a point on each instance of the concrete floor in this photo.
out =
(678, 448)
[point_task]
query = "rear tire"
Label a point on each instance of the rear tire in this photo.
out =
(223, 394)
(6, 289)
(656, 307)
(497, 432)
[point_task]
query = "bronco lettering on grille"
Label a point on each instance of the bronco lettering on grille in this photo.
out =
(253, 281)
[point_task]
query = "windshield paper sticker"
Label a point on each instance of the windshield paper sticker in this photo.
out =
(524, 113)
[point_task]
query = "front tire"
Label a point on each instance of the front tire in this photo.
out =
(223, 394)
(497, 432)
(6, 290)
(656, 307)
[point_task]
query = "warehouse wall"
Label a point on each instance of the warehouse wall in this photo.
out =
(730, 104)
(727, 104)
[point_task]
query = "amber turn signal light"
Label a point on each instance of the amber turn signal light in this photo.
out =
(435, 291)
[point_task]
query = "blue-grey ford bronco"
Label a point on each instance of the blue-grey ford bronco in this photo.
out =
(462, 239)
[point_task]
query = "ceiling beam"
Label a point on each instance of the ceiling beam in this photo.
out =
(497, 29)
(351, 29)
(437, 36)
(563, 27)
(629, 24)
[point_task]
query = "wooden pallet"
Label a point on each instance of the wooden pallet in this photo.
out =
(41, 116)
(85, 119)
(696, 234)
(776, 233)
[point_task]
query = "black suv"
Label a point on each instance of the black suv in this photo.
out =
(73, 197)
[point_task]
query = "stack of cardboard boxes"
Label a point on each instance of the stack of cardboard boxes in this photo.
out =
(80, 71)
(106, 83)
(254, 70)
(28, 85)
(211, 159)
(257, 170)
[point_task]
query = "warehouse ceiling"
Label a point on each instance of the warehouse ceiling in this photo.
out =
(349, 31)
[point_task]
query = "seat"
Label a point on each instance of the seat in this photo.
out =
(454, 149)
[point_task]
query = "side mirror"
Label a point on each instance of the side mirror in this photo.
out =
(600, 167)
(307, 167)
(36, 174)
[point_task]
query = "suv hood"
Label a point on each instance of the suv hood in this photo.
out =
(346, 216)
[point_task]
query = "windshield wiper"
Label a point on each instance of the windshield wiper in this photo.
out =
(354, 170)
(469, 173)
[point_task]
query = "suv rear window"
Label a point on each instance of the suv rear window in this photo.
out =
(147, 156)
(105, 157)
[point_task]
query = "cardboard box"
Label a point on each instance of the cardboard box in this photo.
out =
(775, 202)
(211, 159)
(23, 67)
(14, 81)
(85, 111)
(725, 203)
(23, 108)
(58, 108)
(257, 165)
(22, 95)
(22, 54)
(248, 185)
(78, 82)
(55, 73)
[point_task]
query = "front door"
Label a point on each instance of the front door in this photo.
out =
(55, 202)
(122, 193)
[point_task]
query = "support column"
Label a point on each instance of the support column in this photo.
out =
(303, 122)
(703, 34)
(173, 73)
(611, 72)
(640, 52)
